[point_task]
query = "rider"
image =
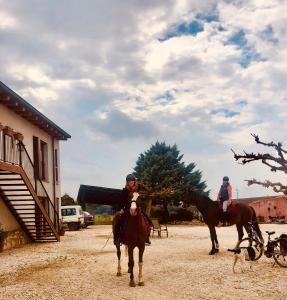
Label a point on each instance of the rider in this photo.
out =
(225, 197)
(124, 206)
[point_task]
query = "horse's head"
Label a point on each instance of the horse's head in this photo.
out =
(133, 208)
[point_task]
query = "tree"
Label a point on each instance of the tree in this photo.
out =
(276, 162)
(164, 176)
(67, 200)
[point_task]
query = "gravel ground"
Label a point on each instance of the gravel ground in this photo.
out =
(178, 267)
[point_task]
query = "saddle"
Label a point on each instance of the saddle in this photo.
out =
(232, 210)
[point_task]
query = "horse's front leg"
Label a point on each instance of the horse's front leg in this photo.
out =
(214, 241)
(141, 251)
(131, 266)
(119, 272)
(240, 234)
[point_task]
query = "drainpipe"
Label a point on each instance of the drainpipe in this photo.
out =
(54, 180)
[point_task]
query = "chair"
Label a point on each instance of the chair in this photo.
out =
(157, 227)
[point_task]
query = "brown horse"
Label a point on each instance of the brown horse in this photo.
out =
(240, 215)
(135, 235)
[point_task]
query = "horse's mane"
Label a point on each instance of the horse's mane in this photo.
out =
(196, 197)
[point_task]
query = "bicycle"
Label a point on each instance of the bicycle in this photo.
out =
(253, 241)
(277, 249)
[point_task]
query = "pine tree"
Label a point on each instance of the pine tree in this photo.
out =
(162, 172)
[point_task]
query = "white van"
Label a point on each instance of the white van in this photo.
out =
(72, 215)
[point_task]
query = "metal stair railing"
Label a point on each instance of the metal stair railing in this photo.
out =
(14, 152)
(28, 167)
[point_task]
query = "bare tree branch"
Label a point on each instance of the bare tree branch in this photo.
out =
(276, 186)
(275, 162)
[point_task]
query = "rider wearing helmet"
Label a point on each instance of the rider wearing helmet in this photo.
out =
(225, 197)
(124, 205)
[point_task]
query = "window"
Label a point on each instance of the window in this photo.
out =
(68, 212)
(43, 161)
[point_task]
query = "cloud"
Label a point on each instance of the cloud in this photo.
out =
(120, 75)
(117, 125)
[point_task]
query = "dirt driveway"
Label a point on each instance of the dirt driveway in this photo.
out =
(177, 267)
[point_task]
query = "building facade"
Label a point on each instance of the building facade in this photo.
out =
(30, 187)
(268, 208)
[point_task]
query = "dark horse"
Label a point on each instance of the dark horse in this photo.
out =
(240, 214)
(135, 235)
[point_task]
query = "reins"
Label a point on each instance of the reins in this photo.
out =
(107, 240)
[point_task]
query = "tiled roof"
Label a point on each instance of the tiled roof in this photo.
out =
(20, 106)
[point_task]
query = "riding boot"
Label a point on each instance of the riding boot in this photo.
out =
(225, 219)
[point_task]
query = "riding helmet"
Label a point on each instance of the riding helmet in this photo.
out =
(225, 178)
(130, 177)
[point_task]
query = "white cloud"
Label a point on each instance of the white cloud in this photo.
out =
(104, 65)
(7, 21)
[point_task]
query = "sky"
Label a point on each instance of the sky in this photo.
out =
(120, 75)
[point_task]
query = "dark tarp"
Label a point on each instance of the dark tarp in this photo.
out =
(98, 195)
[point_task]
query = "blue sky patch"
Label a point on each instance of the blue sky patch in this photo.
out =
(268, 35)
(227, 113)
(208, 18)
(242, 103)
(192, 28)
(238, 39)
(248, 56)
(248, 53)
(166, 97)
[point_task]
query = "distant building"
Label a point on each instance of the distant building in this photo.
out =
(30, 187)
(268, 208)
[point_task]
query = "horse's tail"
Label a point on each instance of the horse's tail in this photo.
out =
(256, 225)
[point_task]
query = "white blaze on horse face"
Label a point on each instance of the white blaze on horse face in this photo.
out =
(135, 196)
(133, 208)
(134, 205)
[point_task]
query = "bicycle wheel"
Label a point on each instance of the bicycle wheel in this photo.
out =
(258, 247)
(279, 256)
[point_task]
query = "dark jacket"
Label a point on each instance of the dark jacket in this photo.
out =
(125, 198)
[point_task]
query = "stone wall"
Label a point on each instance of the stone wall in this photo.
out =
(15, 238)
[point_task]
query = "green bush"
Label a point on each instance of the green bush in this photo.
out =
(179, 214)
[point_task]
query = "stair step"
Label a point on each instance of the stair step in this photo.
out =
(39, 228)
(45, 240)
(24, 209)
(14, 179)
(22, 200)
(12, 184)
(25, 205)
(44, 237)
(18, 195)
(15, 190)
(42, 234)
(4, 172)
(9, 174)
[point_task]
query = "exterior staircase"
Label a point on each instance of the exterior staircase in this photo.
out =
(25, 195)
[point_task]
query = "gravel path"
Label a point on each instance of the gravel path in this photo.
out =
(177, 267)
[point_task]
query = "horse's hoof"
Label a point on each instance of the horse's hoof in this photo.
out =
(132, 283)
(212, 252)
(216, 250)
(119, 274)
(141, 283)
